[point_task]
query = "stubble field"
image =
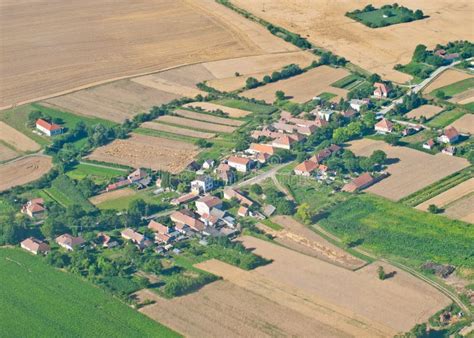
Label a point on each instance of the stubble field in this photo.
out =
(6, 153)
(108, 196)
(125, 38)
(23, 171)
(412, 170)
(16, 139)
(446, 78)
(427, 110)
(465, 124)
(231, 112)
(177, 130)
(209, 118)
(147, 151)
(377, 50)
(188, 123)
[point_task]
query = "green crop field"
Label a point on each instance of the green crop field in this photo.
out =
(393, 229)
(64, 192)
(249, 106)
(122, 203)
(348, 82)
(445, 118)
(98, 174)
(37, 300)
(455, 88)
(327, 96)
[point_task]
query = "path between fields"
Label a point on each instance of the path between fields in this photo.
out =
(39, 153)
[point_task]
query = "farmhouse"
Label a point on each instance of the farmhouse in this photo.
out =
(205, 204)
(35, 246)
(34, 208)
(208, 164)
(381, 90)
(230, 193)
(429, 144)
(444, 55)
(184, 218)
(449, 151)
(284, 142)
(358, 104)
(349, 113)
(325, 153)
(225, 173)
(47, 128)
(160, 228)
(186, 198)
(243, 211)
(256, 148)
(135, 237)
(69, 242)
(202, 184)
(363, 181)
(305, 168)
(241, 164)
(384, 126)
(106, 240)
(450, 135)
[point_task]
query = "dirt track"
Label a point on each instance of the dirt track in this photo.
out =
(24, 170)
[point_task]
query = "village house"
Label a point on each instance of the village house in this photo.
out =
(183, 199)
(381, 90)
(106, 240)
(240, 164)
(284, 142)
(202, 184)
(363, 181)
(205, 204)
(357, 104)
(187, 218)
(256, 148)
(225, 173)
(35, 246)
(349, 113)
(449, 151)
(69, 242)
(265, 132)
(47, 128)
(208, 164)
(135, 237)
(230, 193)
(450, 135)
(444, 55)
(34, 208)
(160, 228)
(243, 211)
(305, 168)
(429, 144)
(384, 126)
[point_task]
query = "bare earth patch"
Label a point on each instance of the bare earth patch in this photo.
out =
(107, 196)
(149, 152)
(462, 209)
(156, 82)
(6, 153)
(208, 118)
(427, 110)
(446, 78)
(180, 121)
(16, 139)
(23, 171)
(176, 130)
(378, 50)
(298, 237)
(304, 87)
(464, 97)
(465, 124)
(450, 195)
(412, 170)
(353, 299)
(232, 112)
(158, 35)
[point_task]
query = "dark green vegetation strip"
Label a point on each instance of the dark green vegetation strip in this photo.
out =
(37, 300)
(393, 229)
(446, 118)
(438, 187)
(244, 105)
(455, 88)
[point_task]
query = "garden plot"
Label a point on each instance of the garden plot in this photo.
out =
(411, 171)
(465, 124)
(193, 124)
(446, 78)
(231, 112)
(23, 171)
(303, 87)
(208, 118)
(148, 152)
(449, 196)
(177, 130)
(16, 139)
(427, 110)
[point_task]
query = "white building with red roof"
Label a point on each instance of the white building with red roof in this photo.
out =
(69, 242)
(241, 164)
(34, 208)
(450, 135)
(381, 90)
(205, 204)
(47, 128)
(384, 126)
(256, 148)
(187, 218)
(305, 168)
(35, 246)
(284, 142)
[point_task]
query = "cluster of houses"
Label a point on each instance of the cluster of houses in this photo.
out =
(66, 241)
(315, 165)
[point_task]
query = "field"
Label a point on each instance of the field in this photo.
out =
(29, 294)
(465, 124)
(446, 118)
(446, 78)
(464, 98)
(427, 110)
(186, 32)
(23, 171)
(231, 112)
(376, 18)
(392, 229)
(176, 130)
(193, 124)
(208, 117)
(461, 209)
(7, 153)
(16, 139)
(376, 50)
(244, 105)
(113, 195)
(99, 174)
(148, 152)
(303, 87)
(298, 237)
(64, 192)
(411, 171)
(340, 298)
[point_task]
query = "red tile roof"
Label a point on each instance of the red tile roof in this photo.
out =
(385, 125)
(451, 133)
(262, 148)
(238, 160)
(47, 125)
(306, 166)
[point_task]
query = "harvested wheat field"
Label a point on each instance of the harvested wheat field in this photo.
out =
(180, 121)
(464, 97)
(208, 118)
(378, 50)
(354, 302)
(6, 153)
(108, 196)
(148, 152)
(446, 78)
(304, 87)
(465, 124)
(124, 38)
(23, 171)
(16, 139)
(231, 112)
(298, 237)
(462, 209)
(411, 171)
(427, 110)
(156, 82)
(177, 130)
(115, 101)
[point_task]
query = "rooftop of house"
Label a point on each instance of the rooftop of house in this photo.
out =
(210, 201)
(69, 240)
(451, 132)
(238, 160)
(306, 166)
(384, 124)
(47, 125)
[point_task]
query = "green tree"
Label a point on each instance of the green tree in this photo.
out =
(379, 157)
(392, 139)
(419, 14)
(434, 209)
(440, 94)
(419, 54)
(280, 95)
(251, 82)
(256, 189)
(304, 213)
(381, 273)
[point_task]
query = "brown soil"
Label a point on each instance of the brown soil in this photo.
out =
(6, 153)
(195, 124)
(412, 170)
(232, 112)
(462, 209)
(107, 196)
(23, 171)
(208, 118)
(149, 152)
(427, 110)
(465, 124)
(176, 130)
(304, 87)
(16, 139)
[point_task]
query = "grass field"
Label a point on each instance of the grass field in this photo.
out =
(37, 300)
(64, 192)
(122, 203)
(253, 107)
(393, 229)
(376, 18)
(446, 118)
(349, 82)
(99, 175)
(455, 88)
